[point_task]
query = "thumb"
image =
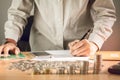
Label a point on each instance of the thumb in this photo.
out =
(17, 50)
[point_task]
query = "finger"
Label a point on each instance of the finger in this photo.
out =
(79, 51)
(83, 48)
(17, 50)
(83, 53)
(78, 45)
(69, 47)
(1, 49)
(71, 51)
(81, 44)
(73, 43)
(6, 51)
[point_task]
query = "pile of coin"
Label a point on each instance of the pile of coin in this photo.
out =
(97, 64)
(84, 67)
(22, 65)
(59, 67)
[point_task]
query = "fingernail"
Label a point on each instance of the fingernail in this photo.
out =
(17, 52)
(5, 55)
(74, 53)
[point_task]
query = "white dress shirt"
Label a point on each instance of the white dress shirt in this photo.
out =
(57, 22)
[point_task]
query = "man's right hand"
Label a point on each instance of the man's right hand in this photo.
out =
(5, 48)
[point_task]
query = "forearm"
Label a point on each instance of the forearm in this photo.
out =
(18, 13)
(103, 14)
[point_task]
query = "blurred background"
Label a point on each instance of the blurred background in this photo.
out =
(112, 43)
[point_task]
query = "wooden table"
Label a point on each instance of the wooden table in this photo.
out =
(6, 74)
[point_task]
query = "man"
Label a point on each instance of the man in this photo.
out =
(58, 23)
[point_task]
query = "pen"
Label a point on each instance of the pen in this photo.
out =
(86, 35)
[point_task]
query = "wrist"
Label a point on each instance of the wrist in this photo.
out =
(8, 40)
(95, 46)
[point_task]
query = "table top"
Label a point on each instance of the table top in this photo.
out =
(6, 74)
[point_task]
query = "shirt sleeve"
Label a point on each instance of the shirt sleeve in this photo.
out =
(18, 13)
(103, 15)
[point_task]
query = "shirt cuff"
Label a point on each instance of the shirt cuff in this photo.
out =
(12, 36)
(98, 40)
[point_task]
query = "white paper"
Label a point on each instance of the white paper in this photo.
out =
(60, 55)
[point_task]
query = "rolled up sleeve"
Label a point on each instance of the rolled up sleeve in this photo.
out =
(103, 15)
(18, 13)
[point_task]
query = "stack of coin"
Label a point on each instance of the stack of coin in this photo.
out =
(37, 68)
(91, 66)
(47, 71)
(22, 65)
(71, 69)
(57, 67)
(97, 64)
(60, 70)
(84, 65)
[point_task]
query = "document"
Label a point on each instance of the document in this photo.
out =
(59, 55)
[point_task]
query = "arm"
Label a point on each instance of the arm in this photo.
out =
(17, 18)
(18, 13)
(103, 15)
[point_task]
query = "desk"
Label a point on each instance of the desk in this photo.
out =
(6, 74)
